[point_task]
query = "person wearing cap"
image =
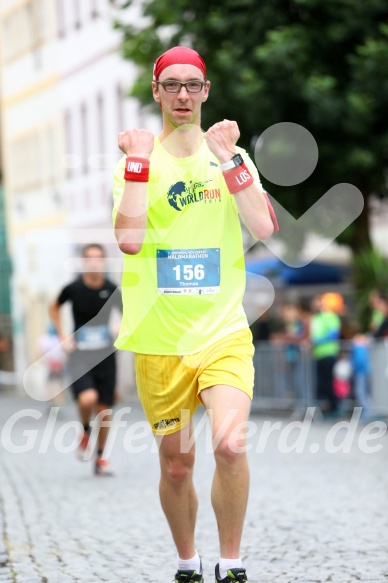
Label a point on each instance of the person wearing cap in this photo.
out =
(177, 202)
(333, 302)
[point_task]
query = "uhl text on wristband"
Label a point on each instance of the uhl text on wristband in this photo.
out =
(137, 169)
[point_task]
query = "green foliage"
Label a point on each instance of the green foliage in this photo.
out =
(320, 64)
(370, 272)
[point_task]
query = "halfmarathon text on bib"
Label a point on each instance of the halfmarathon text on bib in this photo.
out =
(188, 271)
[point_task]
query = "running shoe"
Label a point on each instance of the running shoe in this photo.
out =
(102, 467)
(238, 575)
(188, 577)
(83, 446)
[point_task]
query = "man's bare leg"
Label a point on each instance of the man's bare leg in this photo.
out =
(87, 401)
(177, 492)
(228, 409)
(105, 420)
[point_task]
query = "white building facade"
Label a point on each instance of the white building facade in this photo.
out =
(64, 97)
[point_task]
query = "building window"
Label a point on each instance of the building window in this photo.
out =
(27, 149)
(23, 29)
(94, 8)
(84, 138)
(39, 152)
(37, 21)
(101, 129)
(77, 14)
(120, 108)
(49, 155)
(68, 143)
(61, 18)
(16, 37)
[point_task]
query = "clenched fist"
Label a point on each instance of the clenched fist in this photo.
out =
(136, 143)
(221, 139)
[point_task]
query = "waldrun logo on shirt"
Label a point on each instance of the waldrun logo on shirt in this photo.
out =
(182, 194)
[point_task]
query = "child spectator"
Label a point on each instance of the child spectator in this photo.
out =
(360, 359)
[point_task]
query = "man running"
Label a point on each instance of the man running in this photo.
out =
(177, 199)
(92, 360)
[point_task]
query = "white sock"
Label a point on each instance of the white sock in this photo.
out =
(226, 564)
(193, 564)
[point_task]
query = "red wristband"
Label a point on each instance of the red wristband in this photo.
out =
(137, 169)
(238, 178)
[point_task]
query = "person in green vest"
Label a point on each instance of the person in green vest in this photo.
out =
(325, 331)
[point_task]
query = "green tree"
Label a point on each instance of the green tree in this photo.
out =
(370, 268)
(323, 65)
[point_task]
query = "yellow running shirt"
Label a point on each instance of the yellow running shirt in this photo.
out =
(184, 290)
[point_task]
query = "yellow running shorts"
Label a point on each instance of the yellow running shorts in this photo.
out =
(167, 385)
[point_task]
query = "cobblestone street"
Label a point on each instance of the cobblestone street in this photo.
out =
(313, 516)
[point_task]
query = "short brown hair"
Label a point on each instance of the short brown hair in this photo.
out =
(86, 248)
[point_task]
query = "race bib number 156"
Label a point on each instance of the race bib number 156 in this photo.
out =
(188, 271)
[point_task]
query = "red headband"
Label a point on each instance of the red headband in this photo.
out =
(178, 56)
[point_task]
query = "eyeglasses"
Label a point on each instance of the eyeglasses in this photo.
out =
(176, 86)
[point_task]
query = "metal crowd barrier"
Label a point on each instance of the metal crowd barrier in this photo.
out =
(285, 377)
(379, 380)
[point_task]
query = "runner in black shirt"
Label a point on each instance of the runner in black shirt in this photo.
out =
(92, 354)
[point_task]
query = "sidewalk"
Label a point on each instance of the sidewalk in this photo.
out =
(313, 516)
